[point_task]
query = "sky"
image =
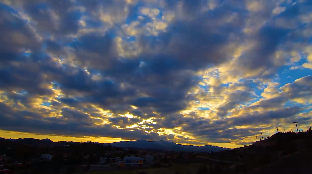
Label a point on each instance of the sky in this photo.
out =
(217, 72)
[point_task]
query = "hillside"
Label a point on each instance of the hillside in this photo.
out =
(281, 153)
(299, 162)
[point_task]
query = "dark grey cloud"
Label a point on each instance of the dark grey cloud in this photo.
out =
(95, 51)
(74, 116)
(123, 121)
(52, 16)
(215, 131)
(23, 78)
(15, 35)
(289, 17)
(165, 78)
(299, 89)
(233, 100)
(276, 33)
(266, 117)
(272, 103)
(193, 45)
(260, 58)
(157, 81)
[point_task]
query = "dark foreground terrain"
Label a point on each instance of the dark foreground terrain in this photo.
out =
(289, 153)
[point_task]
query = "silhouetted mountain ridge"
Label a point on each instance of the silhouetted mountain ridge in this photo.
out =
(139, 144)
(166, 145)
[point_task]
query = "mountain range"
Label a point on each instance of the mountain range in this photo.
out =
(166, 145)
(139, 144)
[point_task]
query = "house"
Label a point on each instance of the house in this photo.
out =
(149, 159)
(111, 160)
(103, 160)
(46, 157)
(116, 159)
(132, 161)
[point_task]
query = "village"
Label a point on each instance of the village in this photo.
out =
(69, 157)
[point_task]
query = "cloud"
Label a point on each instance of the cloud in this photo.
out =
(278, 10)
(64, 126)
(198, 72)
(233, 100)
(299, 90)
(308, 51)
(16, 35)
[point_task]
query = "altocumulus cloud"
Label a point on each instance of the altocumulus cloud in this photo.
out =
(190, 71)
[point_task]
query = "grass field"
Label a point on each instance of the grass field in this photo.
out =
(181, 168)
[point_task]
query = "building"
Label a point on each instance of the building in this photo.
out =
(131, 161)
(111, 160)
(149, 159)
(103, 160)
(114, 160)
(46, 157)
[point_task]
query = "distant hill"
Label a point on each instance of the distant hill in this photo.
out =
(32, 141)
(139, 144)
(166, 145)
(286, 152)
